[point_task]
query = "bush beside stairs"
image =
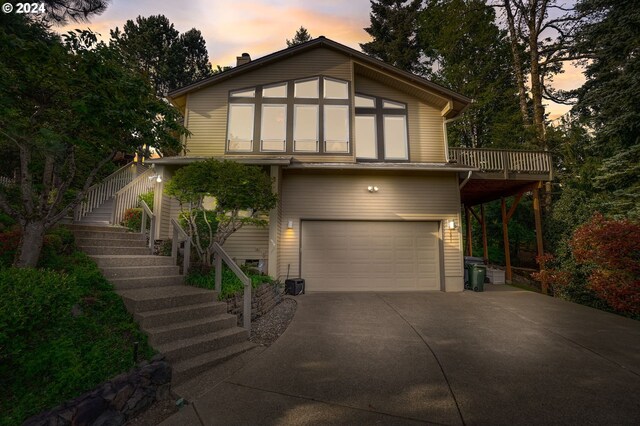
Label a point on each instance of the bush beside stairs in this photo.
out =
(187, 324)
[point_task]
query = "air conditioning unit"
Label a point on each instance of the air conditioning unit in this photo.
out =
(294, 286)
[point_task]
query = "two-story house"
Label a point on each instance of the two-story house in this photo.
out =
(358, 151)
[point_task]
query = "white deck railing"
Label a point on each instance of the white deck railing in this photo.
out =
(129, 196)
(503, 160)
(102, 191)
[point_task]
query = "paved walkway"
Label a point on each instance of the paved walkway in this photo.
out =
(498, 357)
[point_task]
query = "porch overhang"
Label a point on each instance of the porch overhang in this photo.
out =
(431, 167)
(254, 159)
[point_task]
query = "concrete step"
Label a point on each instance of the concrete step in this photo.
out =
(99, 216)
(100, 250)
(183, 349)
(191, 367)
(83, 227)
(140, 271)
(109, 235)
(150, 299)
(183, 313)
(134, 283)
(192, 328)
(110, 242)
(105, 261)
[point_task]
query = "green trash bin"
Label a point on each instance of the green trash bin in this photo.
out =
(476, 277)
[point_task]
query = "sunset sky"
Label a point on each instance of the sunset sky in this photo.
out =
(261, 27)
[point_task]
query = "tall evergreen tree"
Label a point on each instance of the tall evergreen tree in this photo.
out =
(168, 58)
(393, 28)
(609, 101)
(301, 36)
(451, 51)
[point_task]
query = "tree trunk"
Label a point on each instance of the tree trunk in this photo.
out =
(30, 245)
(517, 64)
(536, 90)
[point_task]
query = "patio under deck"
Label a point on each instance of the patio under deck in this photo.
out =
(502, 173)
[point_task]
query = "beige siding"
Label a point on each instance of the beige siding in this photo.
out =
(249, 242)
(207, 108)
(400, 197)
(426, 135)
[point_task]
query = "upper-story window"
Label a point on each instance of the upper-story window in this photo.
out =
(381, 129)
(310, 115)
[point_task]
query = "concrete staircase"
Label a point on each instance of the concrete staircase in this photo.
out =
(185, 323)
(100, 216)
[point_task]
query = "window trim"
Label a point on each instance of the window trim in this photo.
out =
(268, 86)
(406, 136)
(375, 136)
(335, 80)
(324, 125)
(319, 87)
(293, 134)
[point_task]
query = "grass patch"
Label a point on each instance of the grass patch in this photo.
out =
(63, 331)
(230, 283)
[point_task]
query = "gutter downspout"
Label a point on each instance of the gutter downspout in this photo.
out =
(464, 182)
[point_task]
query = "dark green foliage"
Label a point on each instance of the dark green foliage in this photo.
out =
(471, 55)
(169, 59)
(241, 194)
(231, 284)
(301, 36)
(63, 331)
(393, 28)
(147, 198)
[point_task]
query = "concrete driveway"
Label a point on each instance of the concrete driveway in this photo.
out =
(504, 356)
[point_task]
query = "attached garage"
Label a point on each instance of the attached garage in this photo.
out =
(350, 255)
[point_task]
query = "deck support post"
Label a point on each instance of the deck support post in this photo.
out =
(505, 237)
(485, 249)
(538, 220)
(467, 218)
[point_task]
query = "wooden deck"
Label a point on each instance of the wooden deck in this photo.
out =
(502, 173)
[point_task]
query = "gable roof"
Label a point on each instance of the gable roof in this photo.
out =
(458, 102)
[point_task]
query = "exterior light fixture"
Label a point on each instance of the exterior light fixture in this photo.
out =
(158, 178)
(372, 189)
(290, 224)
(451, 224)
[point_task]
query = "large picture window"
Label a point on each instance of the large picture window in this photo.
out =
(240, 127)
(305, 128)
(273, 133)
(336, 128)
(309, 115)
(381, 129)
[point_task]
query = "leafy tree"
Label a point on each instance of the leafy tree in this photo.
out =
(450, 52)
(301, 36)
(241, 193)
(169, 59)
(393, 28)
(60, 12)
(65, 110)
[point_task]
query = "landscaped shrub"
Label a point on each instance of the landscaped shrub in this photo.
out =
(8, 245)
(147, 197)
(609, 250)
(231, 284)
(62, 333)
(57, 240)
(133, 219)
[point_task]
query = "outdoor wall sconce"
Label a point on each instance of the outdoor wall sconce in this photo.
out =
(290, 224)
(373, 189)
(451, 225)
(158, 178)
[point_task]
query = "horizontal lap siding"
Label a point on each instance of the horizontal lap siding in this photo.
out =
(426, 136)
(340, 197)
(249, 242)
(207, 108)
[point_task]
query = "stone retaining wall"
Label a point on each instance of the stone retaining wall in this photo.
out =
(263, 299)
(114, 402)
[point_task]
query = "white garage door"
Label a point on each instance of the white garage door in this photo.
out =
(370, 256)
